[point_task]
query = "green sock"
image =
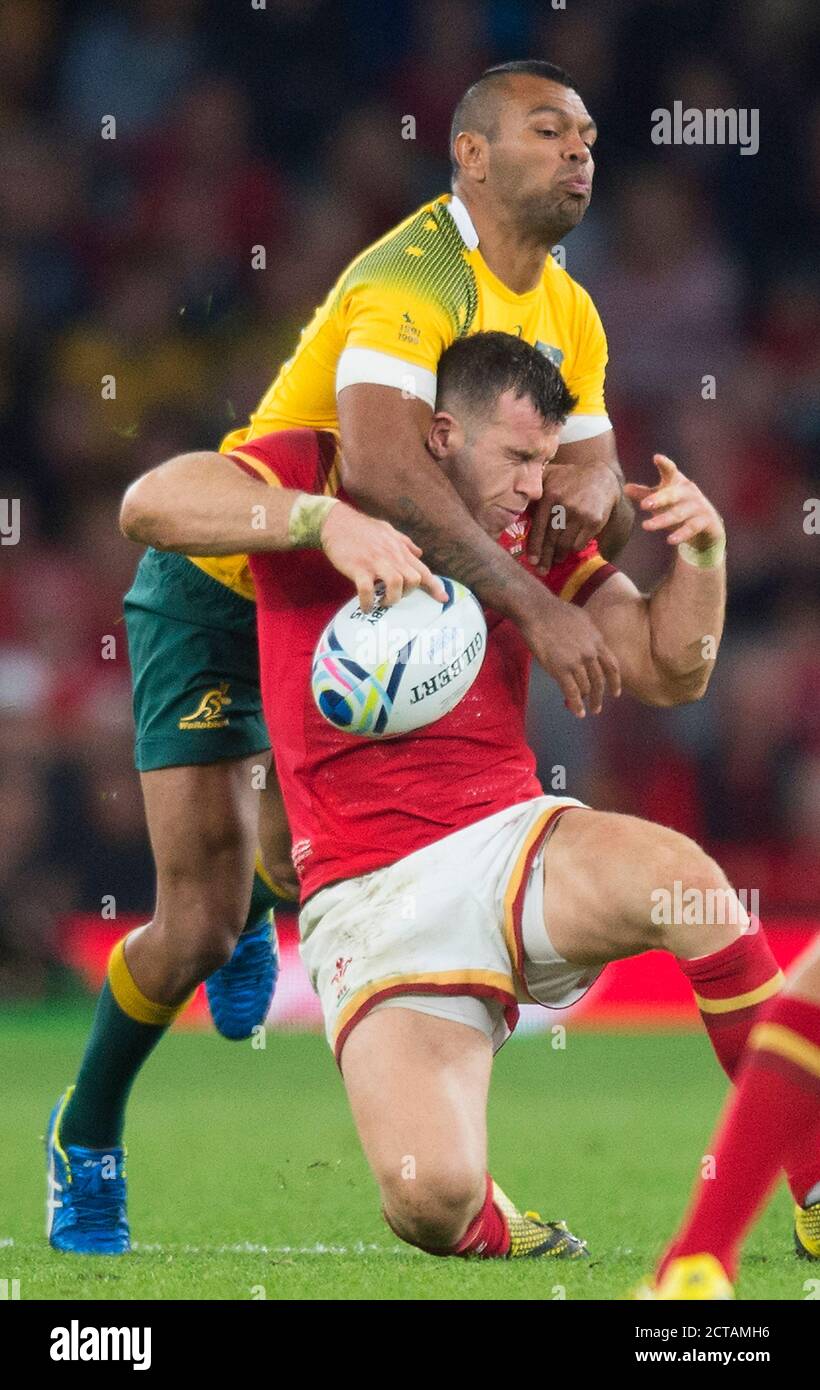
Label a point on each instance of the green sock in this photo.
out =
(126, 1029)
(123, 1035)
(265, 896)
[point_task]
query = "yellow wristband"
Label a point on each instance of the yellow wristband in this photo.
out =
(708, 559)
(306, 519)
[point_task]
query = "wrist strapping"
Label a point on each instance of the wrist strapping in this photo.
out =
(708, 559)
(306, 519)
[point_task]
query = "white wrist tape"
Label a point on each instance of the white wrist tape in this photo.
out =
(306, 518)
(708, 559)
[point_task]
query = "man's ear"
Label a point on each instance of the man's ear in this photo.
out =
(472, 156)
(444, 435)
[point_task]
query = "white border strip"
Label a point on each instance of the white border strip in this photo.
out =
(584, 427)
(366, 366)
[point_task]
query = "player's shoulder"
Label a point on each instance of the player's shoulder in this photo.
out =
(300, 458)
(575, 578)
(423, 255)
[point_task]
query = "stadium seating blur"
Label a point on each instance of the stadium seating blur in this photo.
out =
(283, 127)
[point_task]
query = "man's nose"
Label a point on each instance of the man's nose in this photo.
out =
(531, 483)
(578, 151)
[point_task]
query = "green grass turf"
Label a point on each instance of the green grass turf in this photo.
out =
(247, 1180)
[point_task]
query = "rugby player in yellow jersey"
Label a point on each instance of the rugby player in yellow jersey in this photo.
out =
(477, 258)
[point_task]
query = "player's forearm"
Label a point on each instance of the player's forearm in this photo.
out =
(685, 615)
(201, 504)
(416, 497)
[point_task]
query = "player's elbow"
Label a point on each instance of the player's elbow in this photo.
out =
(141, 518)
(668, 689)
(133, 511)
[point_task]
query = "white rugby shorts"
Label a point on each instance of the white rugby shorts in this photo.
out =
(455, 929)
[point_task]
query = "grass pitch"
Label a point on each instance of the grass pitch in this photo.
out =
(246, 1178)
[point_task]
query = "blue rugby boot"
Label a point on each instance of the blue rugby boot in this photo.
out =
(240, 992)
(86, 1194)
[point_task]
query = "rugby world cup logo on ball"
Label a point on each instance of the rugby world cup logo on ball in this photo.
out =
(397, 669)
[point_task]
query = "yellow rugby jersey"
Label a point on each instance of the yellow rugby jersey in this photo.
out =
(392, 313)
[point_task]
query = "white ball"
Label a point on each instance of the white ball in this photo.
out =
(397, 669)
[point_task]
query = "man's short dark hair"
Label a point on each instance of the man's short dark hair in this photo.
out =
(478, 108)
(475, 371)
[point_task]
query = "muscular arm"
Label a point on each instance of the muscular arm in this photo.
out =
(387, 470)
(665, 642)
(201, 504)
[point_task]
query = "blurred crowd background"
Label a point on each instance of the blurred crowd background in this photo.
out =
(282, 126)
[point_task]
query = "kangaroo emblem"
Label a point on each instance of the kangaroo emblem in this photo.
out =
(208, 712)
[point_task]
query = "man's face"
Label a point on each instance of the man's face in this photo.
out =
(496, 464)
(540, 164)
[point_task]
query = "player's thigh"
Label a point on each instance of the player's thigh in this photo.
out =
(417, 1087)
(610, 890)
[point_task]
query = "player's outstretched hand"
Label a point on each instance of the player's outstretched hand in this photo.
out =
(370, 552)
(566, 642)
(677, 505)
(576, 504)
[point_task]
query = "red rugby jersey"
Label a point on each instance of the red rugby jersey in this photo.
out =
(357, 804)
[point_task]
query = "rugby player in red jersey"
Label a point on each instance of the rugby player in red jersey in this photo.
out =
(439, 884)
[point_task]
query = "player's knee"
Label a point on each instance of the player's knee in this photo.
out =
(192, 948)
(205, 901)
(688, 893)
(434, 1212)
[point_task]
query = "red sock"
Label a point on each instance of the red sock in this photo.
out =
(731, 988)
(771, 1121)
(487, 1235)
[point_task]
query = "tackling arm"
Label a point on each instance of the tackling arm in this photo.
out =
(585, 481)
(387, 470)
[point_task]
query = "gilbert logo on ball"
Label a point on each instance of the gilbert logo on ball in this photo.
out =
(397, 669)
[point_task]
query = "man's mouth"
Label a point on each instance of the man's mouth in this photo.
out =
(577, 184)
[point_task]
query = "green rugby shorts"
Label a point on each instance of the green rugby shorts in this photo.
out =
(194, 666)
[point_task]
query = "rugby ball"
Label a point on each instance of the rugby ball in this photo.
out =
(397, 669)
